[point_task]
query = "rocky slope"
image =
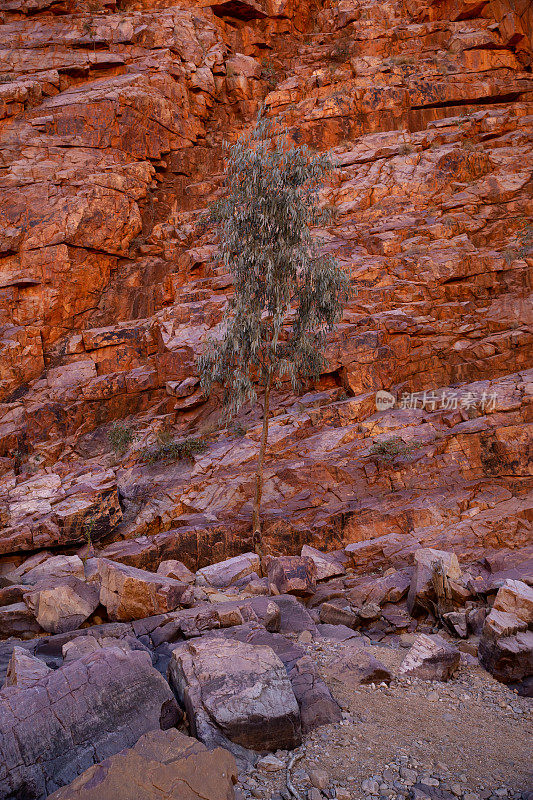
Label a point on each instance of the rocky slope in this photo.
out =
(112, 131)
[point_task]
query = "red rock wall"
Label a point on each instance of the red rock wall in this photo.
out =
(111, 138)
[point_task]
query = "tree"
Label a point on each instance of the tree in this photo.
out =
(287, 295)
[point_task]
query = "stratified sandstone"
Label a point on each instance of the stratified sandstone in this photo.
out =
(161, 761)
(76, 716)
(112, 120)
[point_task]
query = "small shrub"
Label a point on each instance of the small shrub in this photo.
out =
(523, 248)
(120, 437)
(270, 74)
(166, 449)
(87, 530)
(389, 449)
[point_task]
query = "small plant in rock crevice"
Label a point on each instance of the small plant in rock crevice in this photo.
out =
(390, 449)
(523, 248)
(120, 437)
(166, 449)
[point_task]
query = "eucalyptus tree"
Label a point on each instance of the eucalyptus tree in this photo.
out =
(287, 295)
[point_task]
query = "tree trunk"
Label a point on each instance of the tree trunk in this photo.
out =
(256, 519)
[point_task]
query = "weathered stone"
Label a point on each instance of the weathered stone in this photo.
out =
(63, 606)
(17, 620)
(236, 693)
(230, 571)
(317, 706)
(429, 566)
(130, 593)
(356, 667)
(338, 613)
(49, 570)
(508, 659)
(430, 658)
(293, 575)
(160, 761)
(516, 597)
(506, 644)
(175, 569)
(327, 566)
(78, 715)
(24, 669)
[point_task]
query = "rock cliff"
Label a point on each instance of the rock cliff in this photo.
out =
(113, 122)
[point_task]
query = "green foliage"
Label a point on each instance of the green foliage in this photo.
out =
(166, 449)
(523, 248)
(238, 429)
(120, 437)
(271, 74)
(287, 295)
(88, 528)
(389, 449)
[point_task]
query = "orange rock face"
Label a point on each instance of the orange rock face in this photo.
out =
(112, 124)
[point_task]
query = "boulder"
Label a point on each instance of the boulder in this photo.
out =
(293, 575)
(317, 706)
(17, 620)
(457, 623)
(49, 570)
(506, 644)
(516, 597)
(236, 693)
(24, 669)
(177, 570)
(83, 645)
(161, 764)
(228, 572)
(356, 667)
(64, 606)
(338, 613)
(430, 658)
(327, 566)
(432, 567)
(509, 659)
(129, 593)
(76, 716)
(500, 624)
(294, 617)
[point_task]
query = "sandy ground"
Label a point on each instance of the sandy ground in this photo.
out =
(472, 736)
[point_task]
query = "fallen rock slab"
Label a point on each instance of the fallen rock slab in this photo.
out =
(162, 764)
(177, 570)
(129, 593)
(17, 620)
(293, 575)
(327, 566)
(430, 566)
(228, 572)
(516, 597)
(506, 644)
(430, 658)
(24, 669)
(76, 716)
(237, 693)
(509, 659)
(317, 706)
(63, 606)
(358, 666)
(49, 569)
